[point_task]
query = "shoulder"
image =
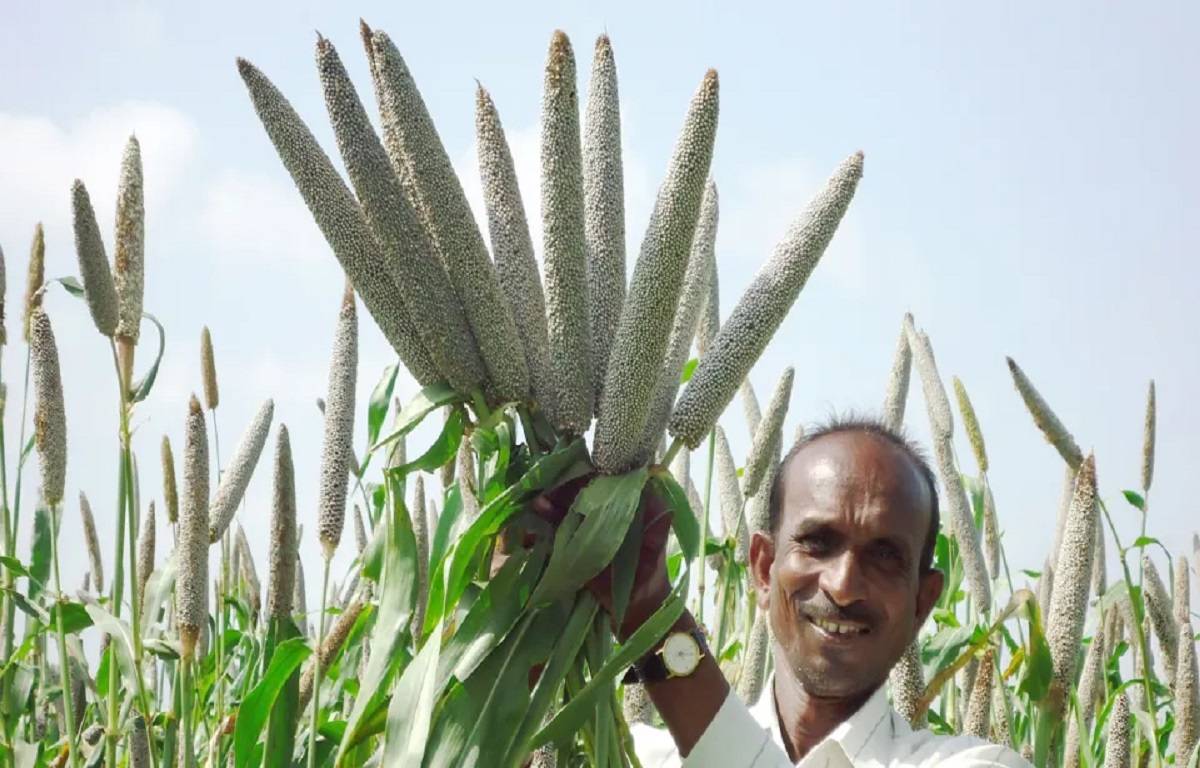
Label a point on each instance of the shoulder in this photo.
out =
(926, 749)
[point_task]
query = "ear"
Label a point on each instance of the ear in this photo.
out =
(929, 589)
(762, 558)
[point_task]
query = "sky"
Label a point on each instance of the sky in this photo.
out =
(1029, 191)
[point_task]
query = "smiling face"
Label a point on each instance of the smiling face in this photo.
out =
(842, 577)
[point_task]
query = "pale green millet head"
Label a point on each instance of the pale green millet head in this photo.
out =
(420, 527)
(49, 413)
(767, 436)
(564, 252)
(1148, 440)
(1089, 694)
(170, 491)
(35, 276)
(1072, 582)
(98, 286)
(1099, 562)
(235, 478)
(1064, 506)
(730, 493)
(604, 207)
(907, 682)
(465, 471)
(330, 647)
(340, 220)
(281, 586)
(407, 252)
(754, 662)
(208, 370)
(687, 316)
(710, 315)
(937, 404)
(961, 523)
(92, 541)
(360, 531)
(397, 455)
(636, 705)
(979, 704)
(1159, 611)
(648, 313)
(762, 308)
(145, 554)
(971, 425)
(758, 506)
(1117, 741)
(1181, 596)
(420, 159)
(750, 407)
(191, 582)
(339, 428)
(129, 265)
(1186, 733)
(138, 745)
(896, 396)
(1045, 419)
(991, 534)
(512, 247)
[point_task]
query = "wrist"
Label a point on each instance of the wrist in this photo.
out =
(639, 612)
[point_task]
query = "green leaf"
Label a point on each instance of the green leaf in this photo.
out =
(372, 556)
(381, 397)
(280, 741)
(141, 388)
(945, 646)
(442, 450)
(688, 369)
(14, 565)
(121, 641)
(39, 554)
(579, 708)
(1135, 498)
(1038, 667)
(625, 568)
(75, 616)
(476, 720)
(608, 505)
(493, 615)
(28, 449)
(429, 398)
(546, 472)
(397, 598)
(255, 709)
(71, 283)
(411, 710)
(683, 517)
(565, 652)
(1145, 541)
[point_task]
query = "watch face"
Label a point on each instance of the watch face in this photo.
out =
(681, 654)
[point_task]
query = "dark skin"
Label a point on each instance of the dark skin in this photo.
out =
(841, 580)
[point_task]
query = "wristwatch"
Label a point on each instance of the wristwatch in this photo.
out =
(678, 656)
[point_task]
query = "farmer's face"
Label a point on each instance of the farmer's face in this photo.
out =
(842, 578)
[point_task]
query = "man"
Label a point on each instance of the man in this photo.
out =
(846, 576)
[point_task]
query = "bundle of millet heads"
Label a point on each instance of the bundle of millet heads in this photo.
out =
(576, 342)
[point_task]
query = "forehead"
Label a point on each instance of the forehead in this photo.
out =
(859, 478)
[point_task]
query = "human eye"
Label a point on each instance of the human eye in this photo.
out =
(815, 543)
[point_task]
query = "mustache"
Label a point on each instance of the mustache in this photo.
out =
(822, 608)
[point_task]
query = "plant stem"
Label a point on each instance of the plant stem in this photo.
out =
(64, 675)
(316, 694)
(186, 701)
(708, 482)
(669, 456)
(10, 608)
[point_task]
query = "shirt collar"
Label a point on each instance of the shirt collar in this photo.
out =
(859, 736)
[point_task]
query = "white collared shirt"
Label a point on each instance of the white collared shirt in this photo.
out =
(873, 737)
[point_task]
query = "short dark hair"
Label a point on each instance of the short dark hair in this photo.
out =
(870, 426)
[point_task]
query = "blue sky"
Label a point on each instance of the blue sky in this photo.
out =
(1029, 191)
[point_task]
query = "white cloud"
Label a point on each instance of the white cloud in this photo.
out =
(256, 217)
(39, 159)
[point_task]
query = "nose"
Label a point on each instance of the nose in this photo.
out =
(842, 580)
